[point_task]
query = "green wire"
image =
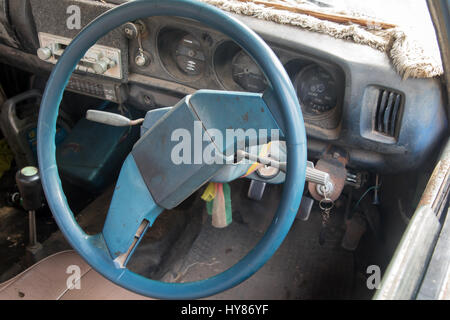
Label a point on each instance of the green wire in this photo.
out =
(364, 195)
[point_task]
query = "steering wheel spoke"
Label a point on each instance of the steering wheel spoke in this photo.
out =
(132, 211)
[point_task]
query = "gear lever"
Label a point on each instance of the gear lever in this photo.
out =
(30, 188)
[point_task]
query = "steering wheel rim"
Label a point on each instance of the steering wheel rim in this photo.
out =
(93, 248)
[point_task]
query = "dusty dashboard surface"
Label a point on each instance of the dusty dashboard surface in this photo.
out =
(350, 95)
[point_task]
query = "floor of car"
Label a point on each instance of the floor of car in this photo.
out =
(182, 246)
(300, 269)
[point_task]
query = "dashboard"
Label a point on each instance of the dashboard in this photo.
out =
(187, 53)
(350, 95)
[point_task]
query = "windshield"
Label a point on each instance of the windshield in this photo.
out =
(411, 15)
(405, 13)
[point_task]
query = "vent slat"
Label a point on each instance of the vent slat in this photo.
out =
(381, 109)
(387, 112)
(395, 114)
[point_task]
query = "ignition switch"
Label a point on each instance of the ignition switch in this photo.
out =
(334, 163)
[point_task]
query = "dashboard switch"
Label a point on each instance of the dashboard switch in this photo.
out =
(142, 60)
(44, 53)
(131, 30)
(98, 59)
(100, 67)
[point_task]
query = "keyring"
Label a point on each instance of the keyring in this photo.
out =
(326, 204)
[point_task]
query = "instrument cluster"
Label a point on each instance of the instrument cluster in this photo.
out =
(192, 55)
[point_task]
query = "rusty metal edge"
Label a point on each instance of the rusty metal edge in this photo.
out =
(405, 273)
(437, 190)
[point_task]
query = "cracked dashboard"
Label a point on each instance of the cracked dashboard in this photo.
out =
(350, 95)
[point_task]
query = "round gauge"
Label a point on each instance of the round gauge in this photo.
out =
(316, 90)
(246, 73)
(189, 56)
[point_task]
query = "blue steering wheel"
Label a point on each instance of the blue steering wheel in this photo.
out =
(105, 250)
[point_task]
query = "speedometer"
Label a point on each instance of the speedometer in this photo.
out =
(246, 73)
(316, 90)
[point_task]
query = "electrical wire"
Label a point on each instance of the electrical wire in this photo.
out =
(364, 195)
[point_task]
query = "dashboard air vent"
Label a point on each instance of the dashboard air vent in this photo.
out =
(388, 112)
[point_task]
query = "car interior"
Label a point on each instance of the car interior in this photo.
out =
(349, 202)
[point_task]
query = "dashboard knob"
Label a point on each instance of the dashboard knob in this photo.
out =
(100, 67)
(44, 53)
(142, 60)
(131, 30)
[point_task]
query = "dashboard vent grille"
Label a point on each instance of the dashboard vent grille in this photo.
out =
(388, 112)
